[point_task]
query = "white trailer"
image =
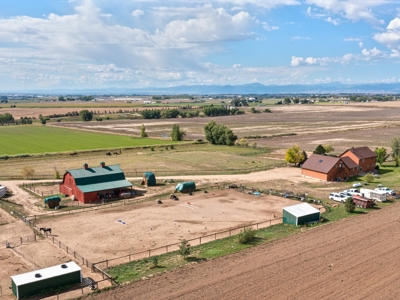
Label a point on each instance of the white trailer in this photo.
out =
(374, 195)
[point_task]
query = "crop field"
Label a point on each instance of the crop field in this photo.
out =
(46, 139)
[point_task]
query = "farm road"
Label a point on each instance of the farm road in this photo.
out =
(356, 258)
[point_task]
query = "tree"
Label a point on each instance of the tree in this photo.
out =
(319, 150)
(27, 172)
(177, 134)
(218, 134)
(184, 249)
(43, 121)
(286, 100)
(349, 205)
(86, 115)
(143, 133)
(305, 157)
(395, 144)
(328, 148)
(382, 155)
(294, 155)
(369, 178)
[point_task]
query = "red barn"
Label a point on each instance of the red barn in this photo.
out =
(91, 184)
(364, 157)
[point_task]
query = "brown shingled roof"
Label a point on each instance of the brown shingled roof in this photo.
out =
(320, 163)
(349, 162)
(361, 152)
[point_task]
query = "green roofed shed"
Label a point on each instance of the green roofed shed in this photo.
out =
(149, 179)
(52, 202)
(300, 214)
(186, 187)
(32, 283)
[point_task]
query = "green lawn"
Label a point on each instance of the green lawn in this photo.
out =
(32, 139)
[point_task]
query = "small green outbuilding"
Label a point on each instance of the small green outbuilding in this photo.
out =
(300, 214)
(149, 179)
(186, 187)
(32, 283)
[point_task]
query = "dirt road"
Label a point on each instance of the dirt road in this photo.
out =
(356, 258)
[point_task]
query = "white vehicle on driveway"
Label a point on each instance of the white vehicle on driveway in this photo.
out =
(357, 185)
(338, 197)
(353, 192)
(386, 190)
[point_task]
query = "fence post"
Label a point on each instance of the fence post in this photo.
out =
(200, 240)
(166, 248)
(129, 257)
(106, 263)
(149, 252)
(20, 239)
(215, 236)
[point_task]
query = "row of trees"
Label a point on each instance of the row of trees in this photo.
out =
(6, 118)
(176, 133)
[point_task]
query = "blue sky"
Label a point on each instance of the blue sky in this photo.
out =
(50, 44)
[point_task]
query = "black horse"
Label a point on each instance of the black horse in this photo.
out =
(45, 230)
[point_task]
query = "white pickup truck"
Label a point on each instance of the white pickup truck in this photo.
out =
(353, 192)
(386, 190)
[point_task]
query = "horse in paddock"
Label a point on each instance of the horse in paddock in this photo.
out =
(45, 230)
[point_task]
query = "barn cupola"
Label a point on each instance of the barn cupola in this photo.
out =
(103, 164)
(86, 166)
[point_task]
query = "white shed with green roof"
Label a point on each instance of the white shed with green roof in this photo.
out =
(300, 214)
(32, 283)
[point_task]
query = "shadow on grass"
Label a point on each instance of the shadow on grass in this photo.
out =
(195, 259)
(385, 171)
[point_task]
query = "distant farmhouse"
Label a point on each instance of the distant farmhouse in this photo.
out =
(351, 162)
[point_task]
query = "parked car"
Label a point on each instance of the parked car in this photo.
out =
(387, 190)
(356, 185)
(353, 192)
(338, 197)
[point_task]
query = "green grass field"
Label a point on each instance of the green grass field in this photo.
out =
(45, 139)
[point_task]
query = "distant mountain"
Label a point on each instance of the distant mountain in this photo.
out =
(253, 88)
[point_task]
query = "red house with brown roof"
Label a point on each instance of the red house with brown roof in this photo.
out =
(351, 162)
(364, 157)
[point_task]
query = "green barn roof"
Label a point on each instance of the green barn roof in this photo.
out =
(99, 178)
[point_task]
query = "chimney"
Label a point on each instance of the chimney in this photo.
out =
(102, 164)
(86, 166)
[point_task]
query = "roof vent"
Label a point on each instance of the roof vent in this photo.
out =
(86, 166)
(38, 275)
(320, 161)
(64, 266)
(102, 164)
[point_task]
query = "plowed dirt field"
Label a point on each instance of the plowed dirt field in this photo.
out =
(356, 258)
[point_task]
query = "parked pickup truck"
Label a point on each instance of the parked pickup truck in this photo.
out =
(386, 190)
(353, 192)
(337, 197)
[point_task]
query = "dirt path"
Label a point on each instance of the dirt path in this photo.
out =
(356, 258)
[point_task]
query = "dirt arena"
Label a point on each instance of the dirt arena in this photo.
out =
(98, 235)
(356, 258)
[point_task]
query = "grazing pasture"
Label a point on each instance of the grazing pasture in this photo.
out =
(44, 139)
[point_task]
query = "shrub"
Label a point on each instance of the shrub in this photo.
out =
(369, 178)
(152, 148)
(184, 249)
(350, 205)
(27, 172)
(172, 147)
(154, 261)
(246, 236)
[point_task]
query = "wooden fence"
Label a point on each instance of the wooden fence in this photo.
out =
(174, 247)
(175, 172)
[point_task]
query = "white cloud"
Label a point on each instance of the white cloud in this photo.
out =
(390, 38)
(361, 44)
(269, 4)
(137, 13)
(352, 40)
(268, 27)
(306, 38)
(354, 10)
(236, 66)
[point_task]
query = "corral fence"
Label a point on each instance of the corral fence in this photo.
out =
(78, 257)
(174, 172)
(99, 206)
(175, 246)
(33, 187)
